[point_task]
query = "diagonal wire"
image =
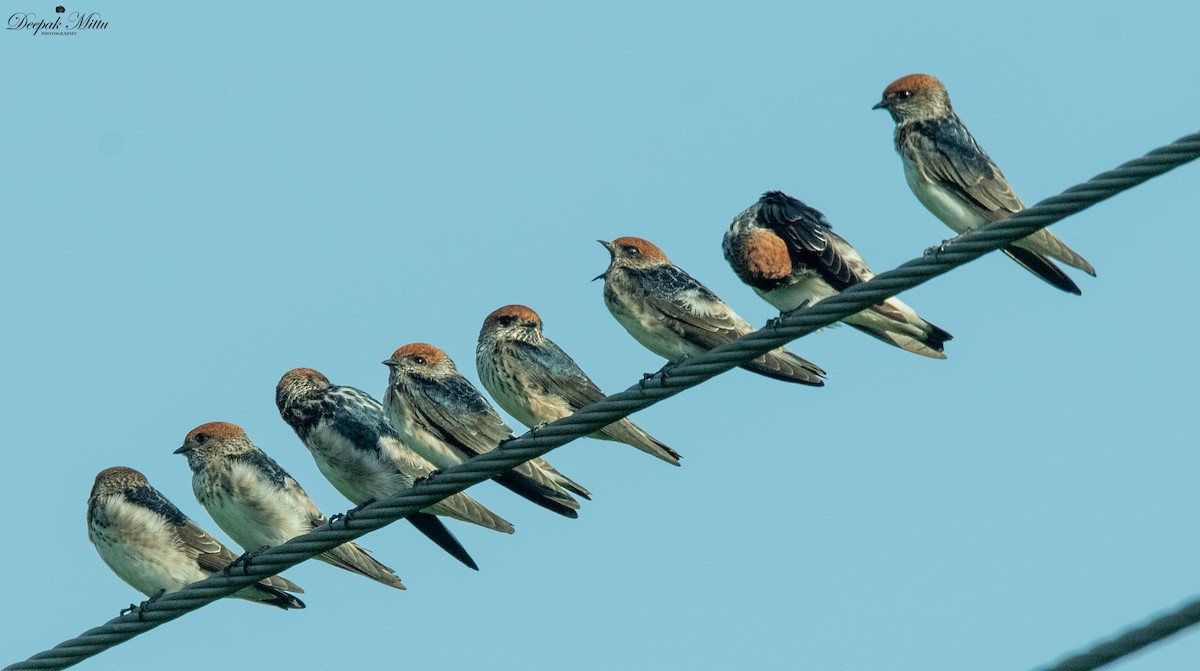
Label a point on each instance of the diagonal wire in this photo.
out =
(664, 384)
(1132, 640)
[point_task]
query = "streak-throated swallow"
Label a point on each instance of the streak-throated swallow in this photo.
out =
(958, 182)
(155, 548)
(675, 316)
(444, 417)
(788, 253)
(257, 503)
(365, 459)
(536, 382)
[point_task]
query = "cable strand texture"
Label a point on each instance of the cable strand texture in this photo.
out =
(669, 381)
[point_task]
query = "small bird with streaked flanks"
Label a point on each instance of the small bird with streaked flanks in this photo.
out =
(958, 182)
(788, 253)
(536, 382)
(257, 503)
(155, 548)
(444, 418)
(364, 458)
(675, 316)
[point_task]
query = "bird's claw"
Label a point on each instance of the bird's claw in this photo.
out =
(937, 250)
(646, 377)
(140, 608)
(665, 371)
(345, 517)
(425, 478)
(245, 560)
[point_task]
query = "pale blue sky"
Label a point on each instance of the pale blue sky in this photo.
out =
(199, 198)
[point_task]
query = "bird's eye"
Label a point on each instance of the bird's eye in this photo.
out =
(419, 360)
(202, 438)
(506, 320)
(903, 95)
(634, 251)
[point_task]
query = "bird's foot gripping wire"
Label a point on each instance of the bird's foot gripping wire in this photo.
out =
(245, 560)
(345, 517)
(937, 250)
(662, 373)
(646, 377)
(425, 478)
(140, 608)
(665, 371)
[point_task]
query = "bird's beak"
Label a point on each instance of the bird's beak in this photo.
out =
(184, 449)
(881, 105)
(388, 362)
(608, 246)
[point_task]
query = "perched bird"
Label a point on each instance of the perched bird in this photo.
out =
(788, 253)
(673, 315)
(443, 416)
(359, 453)
(536, 382)
(155, 548)
(957, 181)
(256, 502)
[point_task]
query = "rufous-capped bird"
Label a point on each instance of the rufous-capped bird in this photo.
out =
(958, 182)
(153, 546)
(256, 502)
(788, 253)
(536, 382)
(675, 316)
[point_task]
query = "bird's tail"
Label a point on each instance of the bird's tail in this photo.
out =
(464, 508)
(437, 532)
(897, 324)
(273, 596)
(782, 364)
(540, 490)
(560, 479)
(352, 557)
(1046, 243)
(1044, 268)
(627, 432)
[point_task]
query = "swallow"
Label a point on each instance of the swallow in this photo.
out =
(536, 382)
(257, 503)
(444, 418)
(958, 182)
(675, 316)
(155, 548)
(788, 253)
(365, 459)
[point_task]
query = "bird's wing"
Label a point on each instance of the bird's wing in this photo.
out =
(458, 412)
(948, 154)
(558, 373)
(692, 311)
(208, 552)
(811, 241)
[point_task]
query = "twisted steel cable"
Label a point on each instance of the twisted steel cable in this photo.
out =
(669, 381)
(1132, 640)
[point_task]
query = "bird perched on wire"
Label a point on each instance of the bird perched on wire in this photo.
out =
(444, 417)
(155, 548)
(675, 316)
(958, 182)
(788, 253)
(257, 503)
(363, 458)
(536, 382)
